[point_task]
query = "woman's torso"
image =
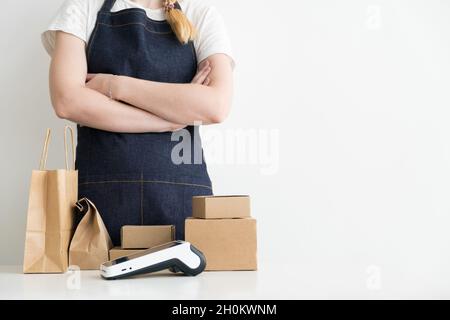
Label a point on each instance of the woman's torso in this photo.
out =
(129, 43)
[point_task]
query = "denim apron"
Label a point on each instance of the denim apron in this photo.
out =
(131, 177)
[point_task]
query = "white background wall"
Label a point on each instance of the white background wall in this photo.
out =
(359, 94)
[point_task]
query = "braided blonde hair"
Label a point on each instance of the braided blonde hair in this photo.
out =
(181, 26)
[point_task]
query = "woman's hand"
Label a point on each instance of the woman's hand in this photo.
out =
(104, 83)
(100, 82)
(202, 76)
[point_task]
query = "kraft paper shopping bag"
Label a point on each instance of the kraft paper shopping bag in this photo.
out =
(53, 194)
(91, 242)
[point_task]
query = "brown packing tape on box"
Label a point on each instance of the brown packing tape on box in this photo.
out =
(144, 237)
(118, 252)
(221, 207)
(228, 244)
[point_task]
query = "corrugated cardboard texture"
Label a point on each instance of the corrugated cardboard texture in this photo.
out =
(228, 244)
(144, 237)
(118, 252)
(221, 207)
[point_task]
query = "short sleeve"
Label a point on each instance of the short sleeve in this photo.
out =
(72, 17)
(212, 35)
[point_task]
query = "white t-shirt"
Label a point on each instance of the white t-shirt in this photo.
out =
(78, 17)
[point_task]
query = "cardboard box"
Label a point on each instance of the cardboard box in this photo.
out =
(228, 244)
(118, 252)
(221, 207)
(144, 237)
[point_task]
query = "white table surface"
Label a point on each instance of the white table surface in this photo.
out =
(271, 281)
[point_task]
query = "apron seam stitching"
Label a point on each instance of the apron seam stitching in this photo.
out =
(134, 10)
(142, 198)
(132, 24)
(145, 181)
(91, 40)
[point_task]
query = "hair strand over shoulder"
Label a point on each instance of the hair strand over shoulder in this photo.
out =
(181, 26)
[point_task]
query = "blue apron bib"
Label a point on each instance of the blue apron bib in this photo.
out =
(131, 177)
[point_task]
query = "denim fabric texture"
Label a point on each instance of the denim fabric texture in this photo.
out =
(131, 177)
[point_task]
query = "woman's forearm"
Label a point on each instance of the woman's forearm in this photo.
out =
(90, 108)
(73, 100)
(181, 103)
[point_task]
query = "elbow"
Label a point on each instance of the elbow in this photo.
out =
(220, 113)
(61, 112)
(62, 105)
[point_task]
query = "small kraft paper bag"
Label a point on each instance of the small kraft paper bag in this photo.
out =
(91, 242)
(53, 194)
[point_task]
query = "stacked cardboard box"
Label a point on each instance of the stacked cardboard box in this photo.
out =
(223, 229)
(136, 239)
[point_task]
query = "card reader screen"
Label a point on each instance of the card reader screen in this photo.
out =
(140, 254)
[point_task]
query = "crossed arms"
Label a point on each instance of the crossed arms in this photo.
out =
(138, 105)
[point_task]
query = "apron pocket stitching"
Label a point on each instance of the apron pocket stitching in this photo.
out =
(147, 181)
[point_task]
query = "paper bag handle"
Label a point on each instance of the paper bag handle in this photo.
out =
(44, 155)
(65, 146)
